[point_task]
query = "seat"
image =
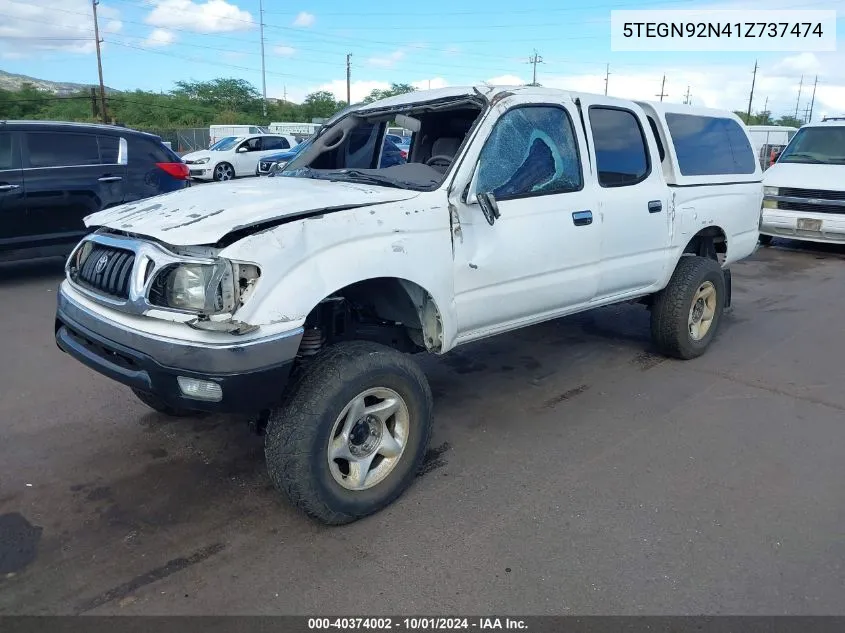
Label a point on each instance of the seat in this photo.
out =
(445, 146)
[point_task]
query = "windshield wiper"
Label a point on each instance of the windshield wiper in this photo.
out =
(354, 175)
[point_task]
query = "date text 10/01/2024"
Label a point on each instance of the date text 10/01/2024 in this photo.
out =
(417, 624)
(728, 29)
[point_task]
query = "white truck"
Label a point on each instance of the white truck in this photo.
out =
(805, 189)
(303, 295)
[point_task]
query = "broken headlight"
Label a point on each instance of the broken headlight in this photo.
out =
(202, 288)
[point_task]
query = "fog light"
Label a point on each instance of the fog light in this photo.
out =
(200, 389)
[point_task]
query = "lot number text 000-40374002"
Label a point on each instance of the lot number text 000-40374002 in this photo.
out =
(730, 30)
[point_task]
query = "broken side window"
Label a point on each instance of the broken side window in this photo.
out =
(531, 150)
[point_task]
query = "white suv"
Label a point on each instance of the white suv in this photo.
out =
(301, 295)
(235, 156)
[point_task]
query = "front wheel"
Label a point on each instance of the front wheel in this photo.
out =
(223, 172)
(352, 432)
(765, 240)
(686, 314)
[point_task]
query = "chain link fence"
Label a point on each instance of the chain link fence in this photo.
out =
(184, 140)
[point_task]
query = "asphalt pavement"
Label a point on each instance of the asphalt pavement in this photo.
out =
(572, 471)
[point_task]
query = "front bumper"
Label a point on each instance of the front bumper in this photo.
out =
(784, 223)
(252, 375)
(201, 172)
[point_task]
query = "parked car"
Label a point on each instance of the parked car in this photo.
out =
(805, 189)
(391, 155)
(278, 161)
(235, 156)
(54, 174)
(300, 295)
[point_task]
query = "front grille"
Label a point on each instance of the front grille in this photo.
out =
(107, 270)
(809, 194)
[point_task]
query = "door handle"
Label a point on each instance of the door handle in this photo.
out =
(110, 178)
(582, 218)
(9, 187)
(655, 206)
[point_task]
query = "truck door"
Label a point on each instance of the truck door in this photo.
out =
(634, 208)
(540, 256)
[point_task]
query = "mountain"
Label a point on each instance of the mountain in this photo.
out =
(11, 81)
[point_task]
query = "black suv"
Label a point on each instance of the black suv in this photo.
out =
(52, 175)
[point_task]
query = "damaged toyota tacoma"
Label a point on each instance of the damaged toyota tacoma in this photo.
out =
(302, 297)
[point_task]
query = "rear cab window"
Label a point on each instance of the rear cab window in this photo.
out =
(702, 146)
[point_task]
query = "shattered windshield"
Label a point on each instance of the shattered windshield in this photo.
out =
(358, 149)
(816, 145)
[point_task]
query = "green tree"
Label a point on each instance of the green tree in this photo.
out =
(790, 121)
(395, 89)
(320, 104)
(233, 94)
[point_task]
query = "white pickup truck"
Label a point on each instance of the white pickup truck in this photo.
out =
(302, 294)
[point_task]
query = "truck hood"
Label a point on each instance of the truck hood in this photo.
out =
(803, 176)
(204, 214)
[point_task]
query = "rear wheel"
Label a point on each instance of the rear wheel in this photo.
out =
(686, 314)
(224, 171)
(352, 432)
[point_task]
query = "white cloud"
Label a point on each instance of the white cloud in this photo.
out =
(359, 89)
(387, 61)
(304, 19)
(284, 51)
(506, 80)
(802, 63)
(43, 26)
(430, 84)
(211, 16)
(160, 38)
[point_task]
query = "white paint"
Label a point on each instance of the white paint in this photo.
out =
(244, 162)
(532, 264)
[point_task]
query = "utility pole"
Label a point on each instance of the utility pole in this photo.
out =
(349, 79)
(97, 41)
(662, 85)
(285, 94)
(535, 59)
(94, 112)
(686, 97)
(263, 72)
(606, 79)
(800, 85)
(751, 96)
(806, 113)
(813, 100)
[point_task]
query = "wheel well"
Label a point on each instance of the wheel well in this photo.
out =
(710, 242)
(387, 310)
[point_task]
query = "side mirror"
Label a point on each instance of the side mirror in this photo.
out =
(489, 207)
(243, 149)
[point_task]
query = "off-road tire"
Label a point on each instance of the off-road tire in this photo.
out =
(157, 404)
(671, 308)
(766, 240)
(297, 434)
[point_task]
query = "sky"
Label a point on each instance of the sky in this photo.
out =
(150, 44)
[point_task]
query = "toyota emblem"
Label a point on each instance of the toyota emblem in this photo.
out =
(101, 264)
